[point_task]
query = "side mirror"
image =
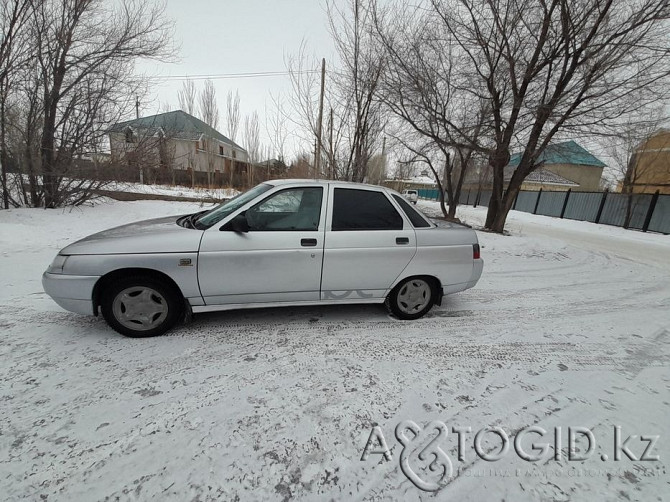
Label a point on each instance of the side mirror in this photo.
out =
(238, 224)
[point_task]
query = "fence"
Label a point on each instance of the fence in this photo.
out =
(648, 211)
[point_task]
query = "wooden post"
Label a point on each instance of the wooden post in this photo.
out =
(650, 211)
(602, 206)
(331, 162)
(319, 125)
(565, 202)
(537, 202)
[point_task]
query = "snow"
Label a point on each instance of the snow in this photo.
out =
(569, 326)
(176, 190)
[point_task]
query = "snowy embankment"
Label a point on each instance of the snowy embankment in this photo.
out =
(569, 326)
(172, 191)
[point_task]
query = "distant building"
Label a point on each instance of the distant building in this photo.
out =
(651, 165)
(425, 180)
(563, 166)
(270, 169)
(179, 146)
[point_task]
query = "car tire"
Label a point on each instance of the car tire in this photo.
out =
(141, 307)
(412, 298)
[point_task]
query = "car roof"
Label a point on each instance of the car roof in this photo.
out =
(323, 182)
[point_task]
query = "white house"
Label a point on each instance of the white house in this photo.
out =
(179, 146)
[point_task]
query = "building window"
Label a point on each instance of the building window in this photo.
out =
(130, 137)
(220, 150)
(197, 145)
(234, 154)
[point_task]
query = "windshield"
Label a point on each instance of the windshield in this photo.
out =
(228, 207)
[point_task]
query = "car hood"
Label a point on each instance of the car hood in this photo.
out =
(160, 235)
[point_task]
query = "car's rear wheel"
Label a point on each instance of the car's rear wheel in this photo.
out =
(412, 298)
(141, 307)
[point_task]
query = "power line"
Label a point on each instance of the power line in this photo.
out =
(221, 76)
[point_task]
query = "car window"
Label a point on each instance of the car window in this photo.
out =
(414, 216)
(228, 207)
(291, 209)
(363, 210)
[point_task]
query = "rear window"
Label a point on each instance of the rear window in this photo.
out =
(364, 210)
(417, 220)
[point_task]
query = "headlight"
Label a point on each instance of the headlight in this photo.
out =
(57, 265)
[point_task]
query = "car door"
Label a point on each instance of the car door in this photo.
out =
(368, 244)
(278, 260)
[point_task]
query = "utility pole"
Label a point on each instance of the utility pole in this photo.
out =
(331, 161)
(319, 125)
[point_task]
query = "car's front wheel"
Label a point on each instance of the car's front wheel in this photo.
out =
(141, 307)
(412, 298)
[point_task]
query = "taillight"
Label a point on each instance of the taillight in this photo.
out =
(475, 252)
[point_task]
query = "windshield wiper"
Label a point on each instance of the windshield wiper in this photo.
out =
(193, 219)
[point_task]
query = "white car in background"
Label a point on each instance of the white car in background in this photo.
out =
(282, 243)
(411, 195)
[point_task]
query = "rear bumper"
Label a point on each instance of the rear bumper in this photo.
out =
(477, 268)
(71, 292)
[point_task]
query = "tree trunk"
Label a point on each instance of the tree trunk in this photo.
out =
(3, 150)
(498, 160)
(629, 208)
(443, 206)
(498, 224)
(49, 180)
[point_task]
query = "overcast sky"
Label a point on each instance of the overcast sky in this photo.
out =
(238, 36)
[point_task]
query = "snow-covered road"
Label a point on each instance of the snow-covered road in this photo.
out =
(569, 326)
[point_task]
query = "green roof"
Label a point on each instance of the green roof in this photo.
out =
(568, 152)
(177, 124)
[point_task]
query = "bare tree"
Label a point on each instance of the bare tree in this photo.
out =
(626, 147)
(555, 66)
(233, 124)
(252, 136)
(302, 106)
(357, 82)
(442, 121)
(275, 125)
(86, 52)
(233, 114)
(303, 101)
(14, 51)
(208, 107)
(187, 96)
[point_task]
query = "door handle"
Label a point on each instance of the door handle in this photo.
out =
(308, 242)
(402, 240)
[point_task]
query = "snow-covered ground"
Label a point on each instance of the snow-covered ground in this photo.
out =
(175, 191)
(569, 326)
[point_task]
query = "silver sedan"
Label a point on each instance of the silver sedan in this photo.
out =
(282, 243)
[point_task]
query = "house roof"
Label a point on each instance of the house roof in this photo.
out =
(545, 177)
(568, 152)
(178, 124)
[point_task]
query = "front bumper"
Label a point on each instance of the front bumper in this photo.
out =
(71, 292)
